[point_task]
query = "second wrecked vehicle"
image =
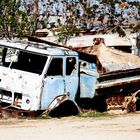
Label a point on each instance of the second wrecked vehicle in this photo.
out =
(41, 77)
(118, 86)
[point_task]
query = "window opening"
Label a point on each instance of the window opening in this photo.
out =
(70, 65)
(56, 67)
(25, 61)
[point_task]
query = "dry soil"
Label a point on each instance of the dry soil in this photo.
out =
(120, 127)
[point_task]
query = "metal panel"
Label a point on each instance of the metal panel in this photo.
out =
(88, 79)
(71, 86)
(53, 86)
(28, 84)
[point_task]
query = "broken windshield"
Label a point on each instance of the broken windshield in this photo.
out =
(21, 60)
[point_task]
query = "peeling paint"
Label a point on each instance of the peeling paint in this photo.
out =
(33, 75)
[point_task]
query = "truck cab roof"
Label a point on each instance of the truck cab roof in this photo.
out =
(39, 48)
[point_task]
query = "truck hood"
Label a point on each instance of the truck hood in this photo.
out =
(19, 81)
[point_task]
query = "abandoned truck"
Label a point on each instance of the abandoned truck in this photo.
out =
(118, 83)
(42, 77)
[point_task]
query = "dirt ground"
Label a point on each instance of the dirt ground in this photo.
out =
(120, 127)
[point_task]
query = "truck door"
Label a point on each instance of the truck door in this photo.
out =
(54, 82)
(71, 76)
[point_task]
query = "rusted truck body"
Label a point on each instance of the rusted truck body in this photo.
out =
(37, 76)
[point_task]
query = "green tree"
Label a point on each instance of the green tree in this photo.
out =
(13, 21)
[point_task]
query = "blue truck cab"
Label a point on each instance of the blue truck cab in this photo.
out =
(37, 76)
